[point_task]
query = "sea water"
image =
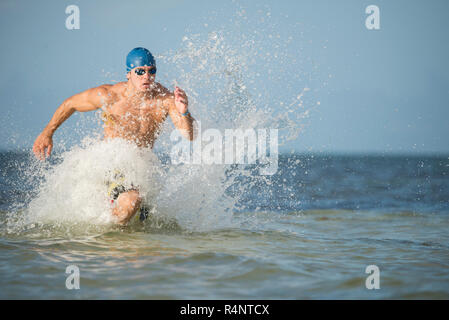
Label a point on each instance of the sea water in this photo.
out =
(309, 233)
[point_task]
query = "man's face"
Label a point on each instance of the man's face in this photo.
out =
(141, 78)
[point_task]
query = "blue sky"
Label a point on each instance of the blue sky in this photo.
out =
(381, 90)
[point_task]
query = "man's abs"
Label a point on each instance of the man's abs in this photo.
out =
(138, 120)
(141, 137)
(141, 128)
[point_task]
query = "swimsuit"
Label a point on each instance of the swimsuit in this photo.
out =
(116, 187)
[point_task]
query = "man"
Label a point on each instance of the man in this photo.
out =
(133, 110)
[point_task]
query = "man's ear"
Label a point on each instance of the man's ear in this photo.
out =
(127, 76)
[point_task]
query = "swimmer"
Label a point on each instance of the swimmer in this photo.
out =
(133, 110)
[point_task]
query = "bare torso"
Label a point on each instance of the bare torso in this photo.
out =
(136, 119)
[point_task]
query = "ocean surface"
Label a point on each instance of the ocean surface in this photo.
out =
(307, 232)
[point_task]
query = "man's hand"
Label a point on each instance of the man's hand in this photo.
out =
(43, 141)
(181, 101)
(183, 124)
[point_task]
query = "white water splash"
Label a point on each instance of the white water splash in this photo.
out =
(76, 189)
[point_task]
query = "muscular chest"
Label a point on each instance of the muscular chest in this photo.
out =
(142, 115)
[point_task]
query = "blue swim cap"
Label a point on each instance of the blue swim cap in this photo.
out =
(139, 57)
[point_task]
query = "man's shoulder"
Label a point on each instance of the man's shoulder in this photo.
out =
(162, 92)
(105, 92)
(108, 88)
(113, 91)
(116, 88)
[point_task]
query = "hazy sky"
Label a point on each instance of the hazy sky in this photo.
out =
(381, 90)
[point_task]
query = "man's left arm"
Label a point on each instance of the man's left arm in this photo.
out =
(180, 115)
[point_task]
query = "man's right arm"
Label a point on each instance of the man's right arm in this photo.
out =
(89, 100)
